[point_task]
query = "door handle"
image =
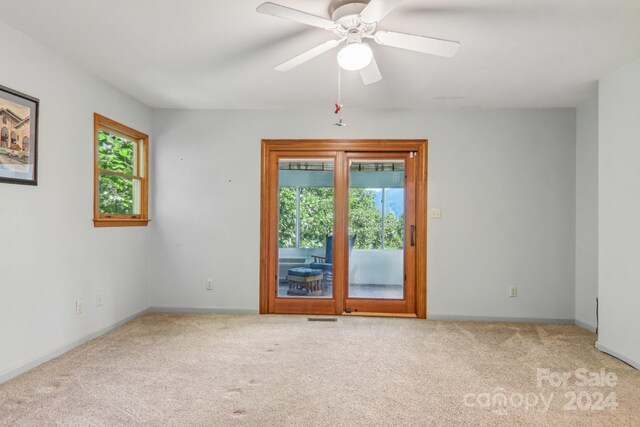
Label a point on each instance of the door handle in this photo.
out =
(413, 235)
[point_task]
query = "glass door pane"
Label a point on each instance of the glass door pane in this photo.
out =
(376, 229)
(305, 228)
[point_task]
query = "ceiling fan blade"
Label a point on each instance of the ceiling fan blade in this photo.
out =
(376, 10)
(308, 55)
(371, 73)
(416, 43)
(296, 15)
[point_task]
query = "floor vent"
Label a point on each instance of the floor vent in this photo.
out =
(322, 319)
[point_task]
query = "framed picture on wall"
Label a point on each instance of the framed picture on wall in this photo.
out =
(18, 137)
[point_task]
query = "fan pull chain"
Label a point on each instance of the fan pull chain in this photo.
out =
(338, 104)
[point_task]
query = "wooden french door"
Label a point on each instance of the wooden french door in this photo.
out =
(343, 227)
(389, 273)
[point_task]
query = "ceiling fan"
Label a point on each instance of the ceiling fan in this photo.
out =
(354, 21)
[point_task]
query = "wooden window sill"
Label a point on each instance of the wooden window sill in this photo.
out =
(117, 222)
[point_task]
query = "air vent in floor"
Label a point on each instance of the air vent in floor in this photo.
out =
(322, 319)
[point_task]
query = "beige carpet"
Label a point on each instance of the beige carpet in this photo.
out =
(165, 369)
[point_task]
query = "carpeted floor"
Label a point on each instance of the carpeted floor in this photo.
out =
(167, 369)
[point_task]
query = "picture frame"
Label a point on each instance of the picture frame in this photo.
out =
(19, 114)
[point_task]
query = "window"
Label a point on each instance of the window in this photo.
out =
(306, 217)
(4, 138)
(121, 175)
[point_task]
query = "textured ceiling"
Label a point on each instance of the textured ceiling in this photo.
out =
(221, 54)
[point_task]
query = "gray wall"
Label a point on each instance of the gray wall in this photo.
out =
(587, 213)
(619, 213)
(51, 254)
(505, 180)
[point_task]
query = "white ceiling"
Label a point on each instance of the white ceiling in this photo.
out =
(221, 54)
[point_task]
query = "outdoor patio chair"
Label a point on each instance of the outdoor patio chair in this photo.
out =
(325, 263)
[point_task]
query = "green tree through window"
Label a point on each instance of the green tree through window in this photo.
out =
(365, 219)
(116, 154)
(287, 218)
(316, 216)
(316, 219)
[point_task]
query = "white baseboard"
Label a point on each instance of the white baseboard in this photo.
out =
(617, 355)
(500, 319)
(14, 372)
(587, 326)
(202, 310)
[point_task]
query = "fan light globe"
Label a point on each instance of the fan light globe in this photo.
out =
(355, 56)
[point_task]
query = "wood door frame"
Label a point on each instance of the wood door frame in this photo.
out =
(338, 147)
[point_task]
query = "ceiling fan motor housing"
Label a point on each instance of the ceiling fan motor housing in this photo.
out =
(346, 13)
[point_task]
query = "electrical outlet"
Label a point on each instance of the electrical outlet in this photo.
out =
(513, 291)
(209, 285)
(99, 300)
(78, 307)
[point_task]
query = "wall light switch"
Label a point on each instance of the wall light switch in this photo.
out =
(513, 292)
(436, 213)
(78, 307)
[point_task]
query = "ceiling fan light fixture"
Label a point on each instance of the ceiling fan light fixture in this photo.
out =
(355, 56)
